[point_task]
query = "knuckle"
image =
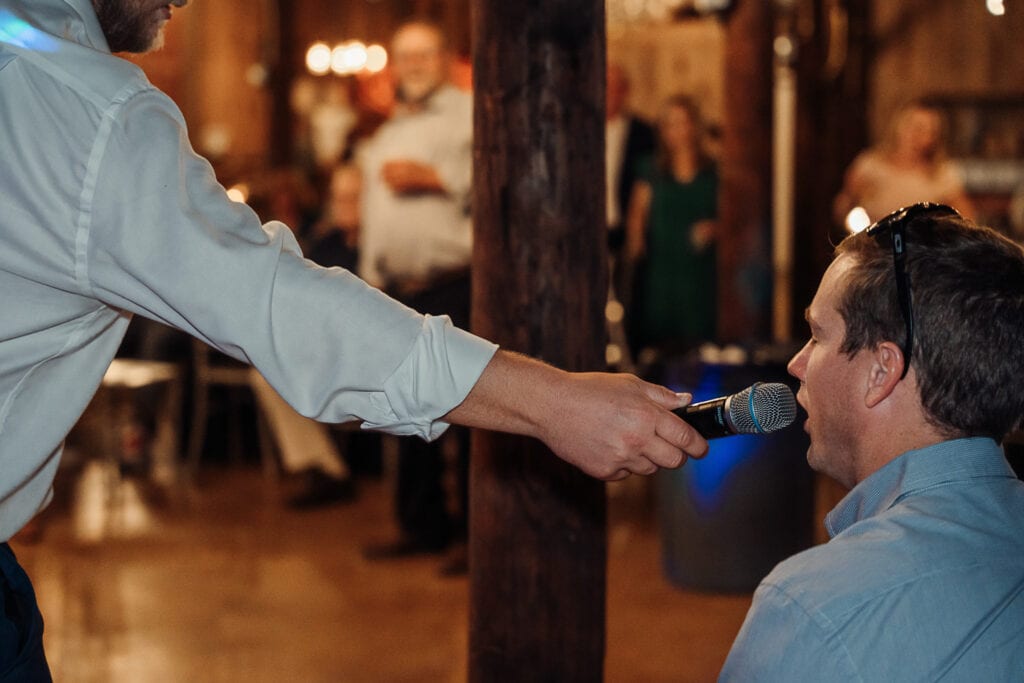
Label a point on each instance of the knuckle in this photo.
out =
(687, 437)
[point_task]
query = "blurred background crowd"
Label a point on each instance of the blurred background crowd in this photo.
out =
(354, 127)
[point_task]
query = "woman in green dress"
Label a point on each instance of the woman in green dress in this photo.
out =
(671, 236)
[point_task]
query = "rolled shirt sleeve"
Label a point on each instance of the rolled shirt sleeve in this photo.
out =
(159, 237)
(405, 390)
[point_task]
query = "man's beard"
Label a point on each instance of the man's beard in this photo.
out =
(128, 29)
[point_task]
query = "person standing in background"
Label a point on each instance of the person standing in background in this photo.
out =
(417, 172)
(628, 139)
(671, 236)
(417, 246)
(333, 240)
(909, 166)
(332, 118)
(307, 448)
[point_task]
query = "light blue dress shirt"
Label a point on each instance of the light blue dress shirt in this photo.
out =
(106, 212)
(923, 580)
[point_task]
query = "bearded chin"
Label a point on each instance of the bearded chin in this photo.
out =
(126, 32)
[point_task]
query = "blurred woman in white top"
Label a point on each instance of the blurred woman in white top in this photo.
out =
(910, 166)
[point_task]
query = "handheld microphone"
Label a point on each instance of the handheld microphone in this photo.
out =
(758, 409)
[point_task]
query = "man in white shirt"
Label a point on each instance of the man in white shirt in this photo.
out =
(416, 246)
(107, 212)
(418, 172)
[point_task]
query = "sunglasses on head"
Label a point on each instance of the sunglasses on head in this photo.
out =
(896, 225)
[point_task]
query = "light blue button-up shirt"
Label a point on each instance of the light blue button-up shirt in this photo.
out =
(106, 212)
(923, 580)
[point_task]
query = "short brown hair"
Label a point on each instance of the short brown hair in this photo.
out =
(967, 287)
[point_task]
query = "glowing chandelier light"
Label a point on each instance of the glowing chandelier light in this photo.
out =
(345, 59)
(318, 58)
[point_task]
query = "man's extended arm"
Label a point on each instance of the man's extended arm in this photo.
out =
(165, 242)
(607, 425)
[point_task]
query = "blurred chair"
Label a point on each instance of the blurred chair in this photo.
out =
(306, 449)
(213, 369)
(108, 502)
(126, 375)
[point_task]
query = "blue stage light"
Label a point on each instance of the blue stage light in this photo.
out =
(20, 33)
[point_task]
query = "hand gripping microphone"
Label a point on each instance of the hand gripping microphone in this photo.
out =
(758, 409)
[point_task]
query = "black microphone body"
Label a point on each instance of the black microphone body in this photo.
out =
(709, 418)
(758, 409)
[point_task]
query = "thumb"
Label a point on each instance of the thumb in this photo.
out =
(665, 397)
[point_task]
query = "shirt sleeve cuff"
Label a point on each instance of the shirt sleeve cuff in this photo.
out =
(436, 376)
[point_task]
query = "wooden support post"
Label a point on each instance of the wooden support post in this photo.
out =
(746, 166)
(832, 130)
(284, 54)
(537, 525)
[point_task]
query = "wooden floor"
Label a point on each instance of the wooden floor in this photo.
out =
(227, 584)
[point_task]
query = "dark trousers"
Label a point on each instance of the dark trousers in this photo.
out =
(424, 515)
(21, 625)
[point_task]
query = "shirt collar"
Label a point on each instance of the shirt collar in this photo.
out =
(433, 100)
(915, 471)
(89, 32)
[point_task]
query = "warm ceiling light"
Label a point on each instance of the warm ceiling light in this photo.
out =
(318, 58)
(376, 58)
(857, 220)
(348, 58)
(239, 193)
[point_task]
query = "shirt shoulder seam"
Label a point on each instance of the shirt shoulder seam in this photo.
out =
(831, 635)
(87, 195)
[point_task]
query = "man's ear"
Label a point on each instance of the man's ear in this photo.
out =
(884, 373)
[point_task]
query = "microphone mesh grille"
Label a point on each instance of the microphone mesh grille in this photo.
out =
(762, 408)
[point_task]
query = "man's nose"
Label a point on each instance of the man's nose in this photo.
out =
(798, 363)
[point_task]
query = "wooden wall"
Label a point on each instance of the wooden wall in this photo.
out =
(214, 65)
(943, 47)
(665, 59)
(217, 52)
(220, 57)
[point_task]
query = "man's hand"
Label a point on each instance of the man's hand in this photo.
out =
(613, 425)
(703, 235)
(405, 176)
(608, 425)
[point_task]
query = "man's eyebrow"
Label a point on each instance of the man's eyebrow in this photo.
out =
(812, 322)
